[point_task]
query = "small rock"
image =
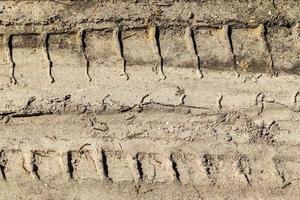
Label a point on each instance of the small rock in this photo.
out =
(171, 129)
(191, 15)
(101, 127)
(81, 108)
(53, 108)
(228, 138)
(30, 100)
(179, 91)
(137, 109)
(6, 119)
(67, 97)
(185, 135)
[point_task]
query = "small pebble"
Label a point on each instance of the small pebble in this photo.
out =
(228, 138)
(101, 127)
(81, 108)
(191, 15)
(6, 119)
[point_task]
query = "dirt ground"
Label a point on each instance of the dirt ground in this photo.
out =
(146, 99)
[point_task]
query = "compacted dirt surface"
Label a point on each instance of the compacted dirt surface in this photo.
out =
(145, 99)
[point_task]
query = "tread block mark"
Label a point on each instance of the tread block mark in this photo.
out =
(69, 62)
(264, 172)
(154, 168)
(288, 169)
(119, 167)
(250, 48)
(243, 166)
(139, 47)
(16, 168)
(233, 170)
(82, 165)
(285, 48)
(190, 169)
(192, 47)
(176, 50)
(29, 58)
(101, 50)
(211, 166)
(154, 38)
(214, 49)
(4, 63)
(213, 169)
(49, 165)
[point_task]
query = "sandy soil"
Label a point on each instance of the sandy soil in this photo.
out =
(149, 100)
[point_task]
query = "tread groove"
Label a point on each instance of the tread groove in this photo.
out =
(9, 55)
(139, 168)
(70, 165)
(45, 42)
(82, 46)
(117, 37)
(105, 165)
(192, 47)
(175, 169)
(154, 36)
